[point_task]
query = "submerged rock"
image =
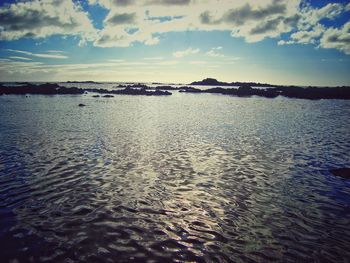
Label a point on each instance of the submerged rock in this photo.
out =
(81, 105)
(341, 172)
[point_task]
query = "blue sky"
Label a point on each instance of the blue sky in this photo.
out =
(179, 41)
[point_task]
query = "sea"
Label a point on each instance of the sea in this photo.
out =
(180, 178)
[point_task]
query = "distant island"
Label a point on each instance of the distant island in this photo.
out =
(214, 82)
(85, 82)
(244, 90)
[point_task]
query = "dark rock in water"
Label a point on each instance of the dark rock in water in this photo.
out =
(190, 90)
(140, 91)
(341, 172)
(81, 105)
(310, 93)
(245, 90)
(167, 87)
(95, 96)
(131, 86)
(42, 89)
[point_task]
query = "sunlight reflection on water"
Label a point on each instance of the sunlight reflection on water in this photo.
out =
(190, 177)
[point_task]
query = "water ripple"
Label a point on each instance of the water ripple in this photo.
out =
(187, 178)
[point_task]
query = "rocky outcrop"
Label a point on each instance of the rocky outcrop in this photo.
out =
(140, 91)
(311, 93)
(42, 89)
(55, 89)
(214, 82)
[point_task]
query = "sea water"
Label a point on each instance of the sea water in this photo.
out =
(187, 177)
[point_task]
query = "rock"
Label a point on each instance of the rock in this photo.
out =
(210, 82)
(81, 105)
(141, 91)
(341, 172)
(214, 82)
(87, 82)
(42, 89)
(95, 96)
(108, 96)
(190, 90)
(167, 87)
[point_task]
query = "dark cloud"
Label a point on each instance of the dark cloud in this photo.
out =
(36, 18)
(266, 27)
(123, 2)
(29, 20)
(151, 2)
(338, 38)
(102, 40)
(57, 2)
(169, 2)
(121, 19)
(207, 19)
(241, 15)
(292, 20)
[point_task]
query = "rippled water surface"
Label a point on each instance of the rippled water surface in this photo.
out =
(188, 177)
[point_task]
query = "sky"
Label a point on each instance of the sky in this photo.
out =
(299, 42)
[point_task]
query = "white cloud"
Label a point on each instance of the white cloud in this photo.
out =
(214, 52)
(20, 58)
(30, 70)
(284, 42)
(308, 37)
(39, 19)
(337, 38)
(187, 52)
(55, 51)
(253, 20)
(38, 55)
(144, 21)
(310, 17)
(311, 31)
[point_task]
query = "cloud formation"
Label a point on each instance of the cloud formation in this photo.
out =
(215, 52)
(187, 52)
(337, 38)
(20, 58)
(39, 19)
(119, 19)
(144, 21)
(52, 55)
